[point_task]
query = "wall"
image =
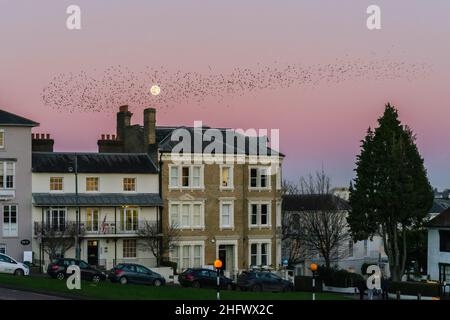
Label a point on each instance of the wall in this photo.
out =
(212, 235)
(109, 183)
(18, 145)
(434, 255)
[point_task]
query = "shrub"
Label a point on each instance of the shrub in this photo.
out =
(338, 278)
(171, 264)
(414, 288)
(304, 283)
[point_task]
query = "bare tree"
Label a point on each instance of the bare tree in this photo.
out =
(319, 226)
(57, 240)
(153, 240)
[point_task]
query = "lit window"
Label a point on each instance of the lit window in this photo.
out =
(129, 219)
(56, 183)
(129, 184)
(129, 248)
(2, 139)
(91, 220)
(92, 184)
(226, 177)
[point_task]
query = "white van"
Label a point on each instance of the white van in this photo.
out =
(9, 265)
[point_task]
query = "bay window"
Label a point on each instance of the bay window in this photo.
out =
(185, 215)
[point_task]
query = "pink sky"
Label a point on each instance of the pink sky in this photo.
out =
(318, 124)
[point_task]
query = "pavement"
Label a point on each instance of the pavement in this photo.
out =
(12, 294)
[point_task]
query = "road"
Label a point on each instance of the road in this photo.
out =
(11, 294)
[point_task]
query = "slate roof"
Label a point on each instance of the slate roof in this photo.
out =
(99, 200)
(10, 119)
(440, 205)
(442, 220)
(296, 203)
(60, 162)
(163, 138)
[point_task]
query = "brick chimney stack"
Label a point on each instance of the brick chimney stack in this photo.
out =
(42, 142)
(123, 121)
(149, 126)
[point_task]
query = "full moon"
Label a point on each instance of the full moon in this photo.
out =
(155, 90)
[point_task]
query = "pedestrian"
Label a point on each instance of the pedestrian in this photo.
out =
(384, 287)
(361, 288)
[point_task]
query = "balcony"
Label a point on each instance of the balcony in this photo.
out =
(102, 228)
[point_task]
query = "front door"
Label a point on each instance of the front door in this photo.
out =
(226, 255)
(92, 251)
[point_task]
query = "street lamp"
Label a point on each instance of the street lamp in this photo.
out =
(218, 266)
(77, 206)
(313, 268)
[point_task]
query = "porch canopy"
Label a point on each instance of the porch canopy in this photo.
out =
(96, 200)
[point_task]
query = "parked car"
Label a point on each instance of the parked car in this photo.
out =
(200, 278)
(134, 273)
(58, 270)
(9, 265)
(263, 281)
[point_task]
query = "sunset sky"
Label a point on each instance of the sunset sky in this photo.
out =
(319, 124)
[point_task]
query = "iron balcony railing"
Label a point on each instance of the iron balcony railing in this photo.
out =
(100, 227)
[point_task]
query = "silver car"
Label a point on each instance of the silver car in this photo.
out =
(11, 266)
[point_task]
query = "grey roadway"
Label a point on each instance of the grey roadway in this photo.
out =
(11, 294)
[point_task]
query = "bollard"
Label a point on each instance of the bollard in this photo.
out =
(398, 295)
(419, 296)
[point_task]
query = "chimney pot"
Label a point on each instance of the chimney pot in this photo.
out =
(123, 108)
(32, 136)
(48, 136)
(113, 137)
(103, 137)
(42, 136)
(107, 137)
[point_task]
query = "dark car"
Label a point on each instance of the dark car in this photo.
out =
(263, 281)
(58, 270)
(134, 273)
(203, 278)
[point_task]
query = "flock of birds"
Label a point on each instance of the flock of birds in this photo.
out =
(118, 85)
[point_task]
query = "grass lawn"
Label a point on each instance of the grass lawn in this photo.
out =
(108, 290)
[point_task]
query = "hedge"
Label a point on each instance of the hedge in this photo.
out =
(338, 278)
(304, 283)
(414, 288)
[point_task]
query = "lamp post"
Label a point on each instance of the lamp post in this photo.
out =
(313, 268)
(78, 215)
(218, 266)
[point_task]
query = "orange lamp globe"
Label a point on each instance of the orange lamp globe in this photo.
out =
(218, 264)
(313, 267)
